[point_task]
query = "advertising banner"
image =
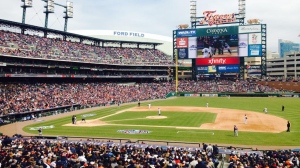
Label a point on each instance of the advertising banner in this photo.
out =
(255, 38)
(228, 68)
(250, 29)
(202, 69)
(192, 95)
(182, 53)
(186, 33)
(192, 47)
(182, 42)
(212, 69)
(254, 50)
(218, 61)
(228, 30)
(209, 95)
(243, 45)
(253, 70)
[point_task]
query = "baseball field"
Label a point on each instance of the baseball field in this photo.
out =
(186, 119)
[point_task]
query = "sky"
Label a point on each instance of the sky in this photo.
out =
(158, 16)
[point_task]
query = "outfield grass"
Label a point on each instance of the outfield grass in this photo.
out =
(188, 119)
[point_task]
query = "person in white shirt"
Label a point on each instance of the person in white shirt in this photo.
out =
(149, 105)
(206, 104)
(206, 53)
(266, 110)
(245, 119)
(159, 111)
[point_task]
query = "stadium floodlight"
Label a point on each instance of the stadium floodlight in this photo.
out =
(69, 9)
(50, 6)
(49, 9)
(193, 10)
(242, 8)
(25, 4)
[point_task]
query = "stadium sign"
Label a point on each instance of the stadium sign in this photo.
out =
(228, 30)
(186, 33)
(128, 34)
(250, 29)
(214, 19)
(217, 61)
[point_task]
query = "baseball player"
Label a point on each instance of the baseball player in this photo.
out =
(228, 96)
(245, 119)
(83, 119)
(159, 111)
(236, 130)
(206, 104)
(40, 131)
(149, 105)
(266, 110)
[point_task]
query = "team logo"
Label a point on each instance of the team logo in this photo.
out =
(182, 53)
(43, 127)
(134, 131)
(243, 45)
(88, 115)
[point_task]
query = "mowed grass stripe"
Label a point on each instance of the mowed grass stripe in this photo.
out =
(188, 119)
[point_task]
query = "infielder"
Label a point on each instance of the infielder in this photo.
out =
(236, 130)
(83, 118)
(266, 110)
(149, 105)
(245, 119)
(206, 104)
(159, 111)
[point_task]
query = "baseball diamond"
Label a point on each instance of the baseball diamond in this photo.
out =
(261, 129)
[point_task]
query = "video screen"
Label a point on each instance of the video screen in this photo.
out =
(217, 46)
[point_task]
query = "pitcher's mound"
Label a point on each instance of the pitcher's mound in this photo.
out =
(156, 117)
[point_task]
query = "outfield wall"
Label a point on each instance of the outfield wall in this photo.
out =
(226, 94)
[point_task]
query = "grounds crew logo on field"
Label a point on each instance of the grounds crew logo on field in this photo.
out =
(134, 131)
(88, 115)
(43, 127)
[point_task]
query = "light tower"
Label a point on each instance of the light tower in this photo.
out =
(69, 14)
(25, 4)
(242, 9)
(49, 9)
(193, 13)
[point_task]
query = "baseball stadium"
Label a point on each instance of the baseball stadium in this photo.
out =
(115, 99)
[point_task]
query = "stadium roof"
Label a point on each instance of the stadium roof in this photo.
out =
(27, 27)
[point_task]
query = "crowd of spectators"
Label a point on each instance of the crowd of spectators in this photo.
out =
(34, 46)
(67, 154)
(18, 98)
(37, 153)
(222, 86)
(270, 159)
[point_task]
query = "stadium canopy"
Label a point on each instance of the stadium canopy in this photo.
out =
(24, 28)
